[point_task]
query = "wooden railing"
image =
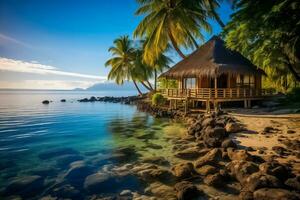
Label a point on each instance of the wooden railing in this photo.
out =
(220, 93)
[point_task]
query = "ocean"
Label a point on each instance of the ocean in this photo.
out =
(42, 142)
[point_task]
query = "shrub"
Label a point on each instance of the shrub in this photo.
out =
(158, 99)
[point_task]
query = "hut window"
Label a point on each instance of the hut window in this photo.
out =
(190, 83)
(245, 81)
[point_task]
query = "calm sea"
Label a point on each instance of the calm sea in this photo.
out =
(43, 140)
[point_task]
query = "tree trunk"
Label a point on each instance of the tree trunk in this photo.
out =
(149, 84)
(155, 79)
(193, 40)
(215, 14)
(138, 89)
(147, 87)
(175, 45)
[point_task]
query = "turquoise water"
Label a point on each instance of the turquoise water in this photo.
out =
(29, 129)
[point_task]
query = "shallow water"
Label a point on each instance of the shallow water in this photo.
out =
(37, 139)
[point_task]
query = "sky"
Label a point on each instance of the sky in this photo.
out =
(62, 44)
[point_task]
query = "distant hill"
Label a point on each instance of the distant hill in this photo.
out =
(113, 86)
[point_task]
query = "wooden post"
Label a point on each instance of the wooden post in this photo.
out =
(170, 104)
(175, 104)
(207, 106)
(215, 106)
(245, 103)
(186, 105)
(216, 92)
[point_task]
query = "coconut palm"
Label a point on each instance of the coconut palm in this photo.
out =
(122, 64)
(174, 21)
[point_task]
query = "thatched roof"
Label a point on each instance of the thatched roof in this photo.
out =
(212, 59)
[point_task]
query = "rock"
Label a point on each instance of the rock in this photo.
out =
(214, 137)
(233, 127)
(208, 122)
(275, 169)
(158, 160)
(26, 186)
(65, 160)
(183, 170)
(206, 170)
(246, 195)
(228, 143)
(235, 154)
(56, 152)
(155, 174)
(45, 102)
(241, 169)
(92, 99)
(98, 182)
(214, 180)
(268, 129)
(275, 194)
(63, 100)
(160, 191)
(126, 193)
(259, 180)
(186, 191)
(279, 150)
(190, 153)
(211, 158)
(77, 173)
(66, 191)
(293, 183)
(290, 131)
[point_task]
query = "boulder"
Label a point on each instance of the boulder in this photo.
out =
(158, 160)
(279, 150)
(275, 194)
(246, 195)
(190, 153)
(45, 102)
(213, 137)
(293, 183)
(208, 122)
(214, 180)
(98, 182)
(235, 154)
(228, 143)
(259, 180)
(62, 100)
(233, 127)
(276, 169)
(240, 169)
(26, 186)
(186, 191)
(183, 170)
(66, 191)
(212, 158)
(77, 173)
(206, 170)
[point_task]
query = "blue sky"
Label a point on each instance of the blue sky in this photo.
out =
(69, 39)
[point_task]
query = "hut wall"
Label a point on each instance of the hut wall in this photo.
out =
(203, 82)
(258, 81)
(232, 81)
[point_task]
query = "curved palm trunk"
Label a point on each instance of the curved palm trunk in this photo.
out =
(155, 79)
(215, 14)
(138, 89)
(146, 86)
(193, 40)
(175, 45)
(149, 84)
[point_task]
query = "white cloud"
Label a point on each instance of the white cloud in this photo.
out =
(46, 84)
(6, 39)
(37, 68)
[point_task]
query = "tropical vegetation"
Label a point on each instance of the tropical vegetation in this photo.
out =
(267, 32)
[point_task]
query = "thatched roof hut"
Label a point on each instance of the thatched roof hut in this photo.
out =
(212, 59)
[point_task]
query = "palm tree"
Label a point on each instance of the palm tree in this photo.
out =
(174, 21)
(122, 64)
(211, 6)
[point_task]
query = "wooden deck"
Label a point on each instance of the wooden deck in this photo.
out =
(220, 94)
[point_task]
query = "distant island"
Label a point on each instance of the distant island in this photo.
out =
(108, 86)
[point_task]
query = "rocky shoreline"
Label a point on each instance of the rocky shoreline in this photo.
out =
(208, 165)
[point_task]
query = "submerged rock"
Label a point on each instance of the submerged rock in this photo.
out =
(25, 186)
(77, 173)
(98, 182)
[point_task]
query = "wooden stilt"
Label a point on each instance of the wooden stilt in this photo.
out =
(175, 104)
(215, 106)
(186, 105)
(207, 107)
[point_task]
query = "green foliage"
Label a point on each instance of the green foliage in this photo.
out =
(174, 21)
(158, 99)
(167, 83)
(268, 33)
